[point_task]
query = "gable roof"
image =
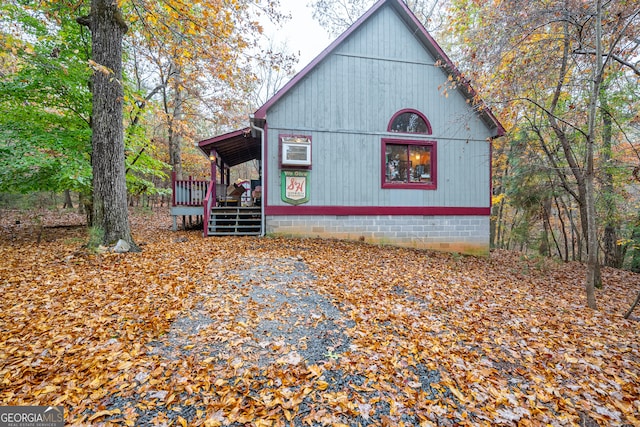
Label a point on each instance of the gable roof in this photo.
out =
(423, 36)
(242, 145)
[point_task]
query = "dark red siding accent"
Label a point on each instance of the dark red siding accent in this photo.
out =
(265, 172)
(214, 175)
(376, 210)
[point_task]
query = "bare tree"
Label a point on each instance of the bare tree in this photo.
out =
(337, 15)
(272, 72)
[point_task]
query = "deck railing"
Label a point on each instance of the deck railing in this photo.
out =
(188, 192)
(207, 204)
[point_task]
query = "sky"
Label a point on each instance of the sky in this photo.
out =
(301, 33)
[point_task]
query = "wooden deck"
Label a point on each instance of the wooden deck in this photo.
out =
(192, 199)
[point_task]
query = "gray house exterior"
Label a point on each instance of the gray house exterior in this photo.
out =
(372, 142)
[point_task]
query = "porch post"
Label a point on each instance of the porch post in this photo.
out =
(173, 188)
(213, 158)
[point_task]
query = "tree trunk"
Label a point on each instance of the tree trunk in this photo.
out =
(547, 212)
(635, 303)
(592, 280)
(584, 176)
(175, 126)
(544, 248)
(68, 203)
(612, 251)
(497, 211)
(563, 228)
(576, 240)
(110, 212)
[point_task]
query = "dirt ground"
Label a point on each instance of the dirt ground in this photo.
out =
(247, 331)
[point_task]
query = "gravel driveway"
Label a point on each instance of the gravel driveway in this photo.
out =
(274, 346)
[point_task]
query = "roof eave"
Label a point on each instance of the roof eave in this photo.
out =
(428, 41)
(261, 113)
(439, 54)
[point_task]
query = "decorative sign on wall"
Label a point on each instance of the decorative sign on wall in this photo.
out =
(295, 187)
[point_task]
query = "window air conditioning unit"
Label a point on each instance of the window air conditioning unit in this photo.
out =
(296, 151)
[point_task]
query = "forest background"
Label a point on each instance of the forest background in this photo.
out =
(561, 75)
(279, 331)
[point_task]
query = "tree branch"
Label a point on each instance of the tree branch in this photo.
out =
(85, 21)
(549, 113)
(143, 104)
(563, 178)
(613, 56)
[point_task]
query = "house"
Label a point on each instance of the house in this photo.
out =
(370, 141)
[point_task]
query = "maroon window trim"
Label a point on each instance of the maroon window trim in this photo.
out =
(410, 111)
(433, 185)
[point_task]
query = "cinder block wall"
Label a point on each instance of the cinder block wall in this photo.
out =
(463, 234)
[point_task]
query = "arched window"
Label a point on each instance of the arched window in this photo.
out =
(409, 121)
(409, 163)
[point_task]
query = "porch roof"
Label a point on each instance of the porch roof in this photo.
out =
(233, 148)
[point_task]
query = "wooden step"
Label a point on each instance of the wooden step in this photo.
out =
(235, 221)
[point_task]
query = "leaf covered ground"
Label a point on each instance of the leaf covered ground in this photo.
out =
(305, 332)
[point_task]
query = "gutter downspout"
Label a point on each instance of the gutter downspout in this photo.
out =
(262, 173)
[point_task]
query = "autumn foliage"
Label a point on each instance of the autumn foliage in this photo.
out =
(197, 331)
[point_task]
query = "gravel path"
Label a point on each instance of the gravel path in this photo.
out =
(266, 335)
(273, 297)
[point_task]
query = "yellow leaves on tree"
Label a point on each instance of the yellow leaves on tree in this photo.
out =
(194, 34)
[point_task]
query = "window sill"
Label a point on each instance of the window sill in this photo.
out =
(410, 185)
